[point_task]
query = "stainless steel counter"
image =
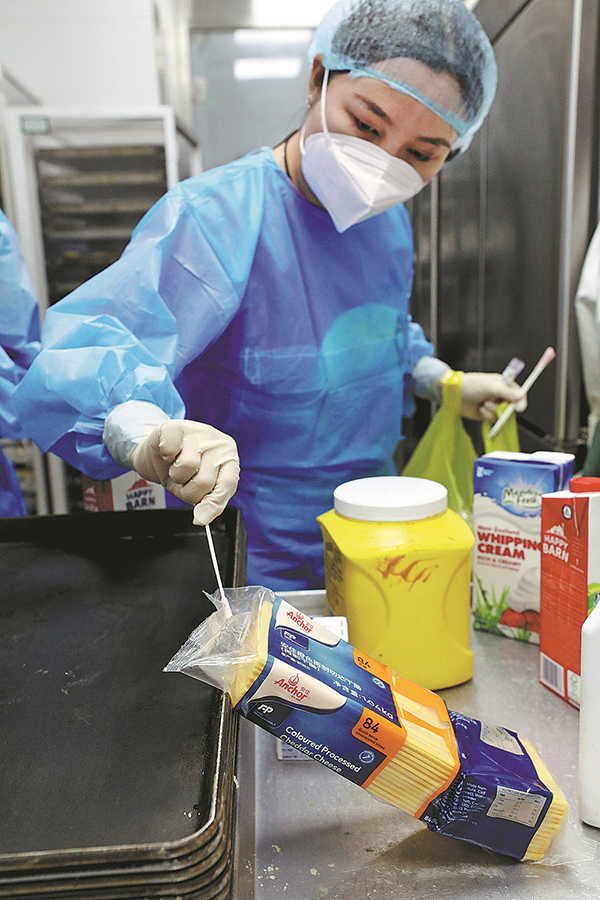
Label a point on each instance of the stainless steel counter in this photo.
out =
(305, 833)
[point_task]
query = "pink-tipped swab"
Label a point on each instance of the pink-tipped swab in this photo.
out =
(213, 556)
(546, 357)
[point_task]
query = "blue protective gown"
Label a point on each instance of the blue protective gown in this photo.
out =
(237, 303)
(19, 344)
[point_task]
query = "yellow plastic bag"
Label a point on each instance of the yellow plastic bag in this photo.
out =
(446, 453)
(507, 438)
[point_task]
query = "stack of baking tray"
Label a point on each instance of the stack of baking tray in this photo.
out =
(91, 199)
(117, 780)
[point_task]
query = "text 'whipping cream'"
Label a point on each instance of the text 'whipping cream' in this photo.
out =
(507, 505)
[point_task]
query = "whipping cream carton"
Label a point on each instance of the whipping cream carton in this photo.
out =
(507, 505)
(570, 582)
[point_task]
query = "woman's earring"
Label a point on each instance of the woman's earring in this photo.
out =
(309, 100)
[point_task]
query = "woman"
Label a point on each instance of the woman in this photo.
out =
(267, 300)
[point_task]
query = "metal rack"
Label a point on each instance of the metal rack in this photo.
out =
(76, 182)
(90, 200)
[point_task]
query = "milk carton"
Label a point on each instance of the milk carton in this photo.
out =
(126, 492)
(507, 503)
(570, 582)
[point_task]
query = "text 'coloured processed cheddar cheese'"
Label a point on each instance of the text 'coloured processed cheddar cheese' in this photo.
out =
(377, 729)
(297, 680)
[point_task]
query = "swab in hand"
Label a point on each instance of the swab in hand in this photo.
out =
(546, 357)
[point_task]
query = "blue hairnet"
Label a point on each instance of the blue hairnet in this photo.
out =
(411, 45)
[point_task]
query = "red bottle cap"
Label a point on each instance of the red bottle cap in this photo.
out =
(585, 484)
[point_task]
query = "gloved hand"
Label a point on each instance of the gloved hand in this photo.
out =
(481, 391)
(195, 462)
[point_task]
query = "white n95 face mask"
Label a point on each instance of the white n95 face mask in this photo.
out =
(353, 178)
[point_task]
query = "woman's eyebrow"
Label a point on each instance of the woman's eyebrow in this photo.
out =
(437, 142)
(375, 109)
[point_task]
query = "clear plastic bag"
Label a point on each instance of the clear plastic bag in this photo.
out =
(224, 643)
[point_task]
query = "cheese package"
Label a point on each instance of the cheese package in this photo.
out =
(354, 715)
(339, 626)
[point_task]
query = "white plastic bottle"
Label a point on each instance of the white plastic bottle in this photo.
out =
(589, 721)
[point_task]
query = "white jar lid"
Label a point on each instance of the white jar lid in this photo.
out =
(390, 498)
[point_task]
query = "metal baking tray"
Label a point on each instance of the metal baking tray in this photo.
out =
(204, 880)
(197, 890)
(110, 767)
(208, 867)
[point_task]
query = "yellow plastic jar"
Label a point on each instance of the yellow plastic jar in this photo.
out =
(398, 566)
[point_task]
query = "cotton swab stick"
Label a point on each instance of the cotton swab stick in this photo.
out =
(213, 556)
(546, 357)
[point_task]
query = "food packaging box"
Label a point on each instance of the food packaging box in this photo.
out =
(313, 603)
(570, 582)
(507, 504)
(294, 678)
(128, 492)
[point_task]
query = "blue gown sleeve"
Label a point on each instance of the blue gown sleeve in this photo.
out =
(19, 326)
(417, 347)
(127, 333)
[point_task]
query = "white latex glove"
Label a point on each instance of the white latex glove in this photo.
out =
(195, 462)
(481, 391)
